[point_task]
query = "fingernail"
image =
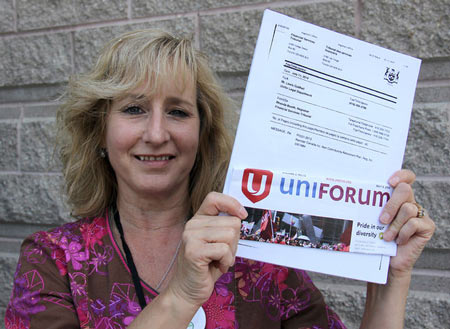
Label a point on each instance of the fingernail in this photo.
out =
(243, 213)
(384, 218)
(394, 180)
(388, 236)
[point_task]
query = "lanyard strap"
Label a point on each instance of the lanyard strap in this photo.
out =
(130, 262)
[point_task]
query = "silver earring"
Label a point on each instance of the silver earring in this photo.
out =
(102, 153)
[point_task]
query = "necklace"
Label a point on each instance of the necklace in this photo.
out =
(132, 266)
(169, 267)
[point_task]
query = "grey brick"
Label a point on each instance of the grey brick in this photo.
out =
(234, 85)
(416, 27)
(12, 234)
(8, 263)
(8, 145)
(88, 43)
(434, 281)
(434, 196)
(347, 303)
(2, 316)
(232, 114)
(428, 149)
(32, 199)
(6, 16)
(9, 113)
(31, 93)
(334, 15)
(48, 13)
(423, 310)
(434, 259)
(426, 310)
(432, 94)
(233, 82)
(39, 111)
(435, 69)
(30, 60)
(141, 8)
(38, 152)
(422, 280)
(229, 38)
(325, 280)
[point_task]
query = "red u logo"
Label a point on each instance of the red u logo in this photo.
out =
(256, 184)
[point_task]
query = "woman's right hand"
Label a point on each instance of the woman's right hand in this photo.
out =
(209, 244)
(208, 249)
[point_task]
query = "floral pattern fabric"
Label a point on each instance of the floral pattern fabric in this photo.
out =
(75, 276)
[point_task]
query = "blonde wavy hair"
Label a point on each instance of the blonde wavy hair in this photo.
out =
(134, 59)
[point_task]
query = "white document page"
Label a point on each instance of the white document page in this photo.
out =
(328, 109)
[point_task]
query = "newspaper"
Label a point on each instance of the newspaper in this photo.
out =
(323, 126)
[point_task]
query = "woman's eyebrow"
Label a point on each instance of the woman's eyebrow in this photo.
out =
(144, 98)
(178, 100)
(130, 98)
(135, 97)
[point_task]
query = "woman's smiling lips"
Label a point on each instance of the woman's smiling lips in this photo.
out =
(154, 157)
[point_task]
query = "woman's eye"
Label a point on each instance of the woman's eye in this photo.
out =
(178, 113)
(133, 110)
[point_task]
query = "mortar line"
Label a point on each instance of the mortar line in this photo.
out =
(434, 83)
(87, 26)
(358, 18)
(5, 254)
(9, 239)
(72, 52)
(433, 179)
(428, 105)
(30, 173)
(263, 5)
(436, 59)
(19, 139)
(431, 272)
(236, 93)
(44, 119)
(125, 21)
(10, 225)
(15, 16)
(197, 41)
(129, 9)
(30, 103)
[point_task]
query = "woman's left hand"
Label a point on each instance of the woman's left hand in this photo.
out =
(405, 227)
(386, 304)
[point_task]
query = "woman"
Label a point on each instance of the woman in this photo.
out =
(143, 146)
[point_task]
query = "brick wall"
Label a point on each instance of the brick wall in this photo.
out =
(42, 42)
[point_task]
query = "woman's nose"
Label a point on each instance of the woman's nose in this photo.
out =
(156, 130)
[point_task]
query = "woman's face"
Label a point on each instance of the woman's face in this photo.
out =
(152, 141)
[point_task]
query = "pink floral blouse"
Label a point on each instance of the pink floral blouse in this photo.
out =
(75, 276)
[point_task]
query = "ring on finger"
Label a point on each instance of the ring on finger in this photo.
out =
(420, 210)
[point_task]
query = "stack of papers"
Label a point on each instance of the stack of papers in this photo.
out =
(323, 125)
